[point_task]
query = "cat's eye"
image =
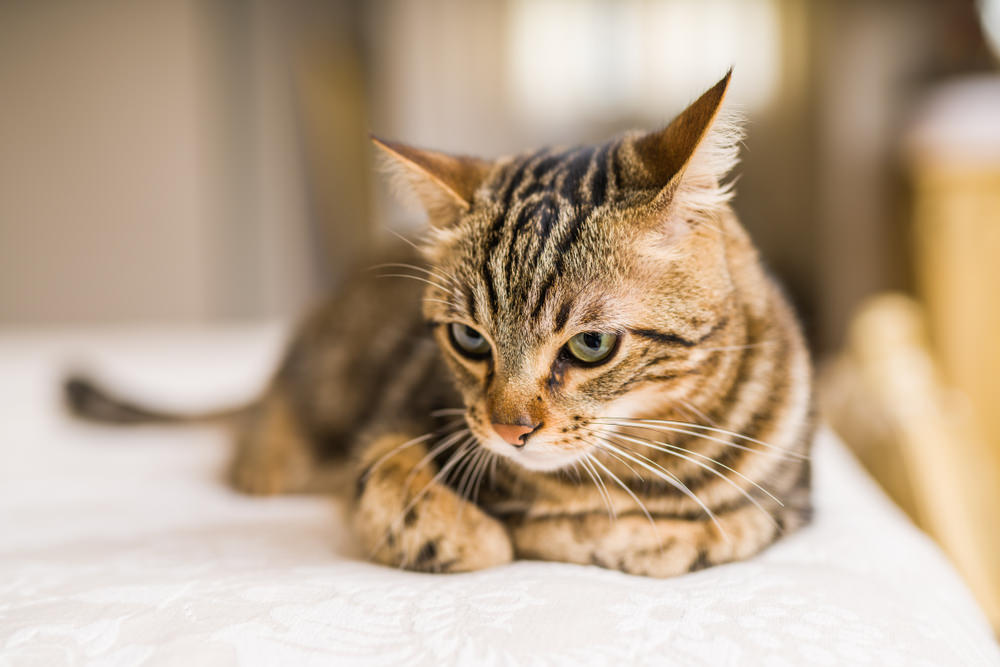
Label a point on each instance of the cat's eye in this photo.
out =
(468, 341)
(592, 347)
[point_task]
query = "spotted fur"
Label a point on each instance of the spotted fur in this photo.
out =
(686, 448)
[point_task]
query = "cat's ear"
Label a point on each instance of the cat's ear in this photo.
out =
(687, 161)
(445, 184)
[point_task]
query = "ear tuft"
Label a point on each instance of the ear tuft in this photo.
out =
(703, 187)
(687, 161)
(445, 184)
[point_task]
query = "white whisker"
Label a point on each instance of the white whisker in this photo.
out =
(402, 238)
(432, 274)
(632, 495)
(450, 441)
(667, 448)
(672, 429)
(484, 472)
(409, 443)
(455, 458)
(421, 279)
(728, 348)
(693, 409)
(592, 472)
(629, 421)
(671, 479)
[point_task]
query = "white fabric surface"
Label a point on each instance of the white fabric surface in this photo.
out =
(122, 547)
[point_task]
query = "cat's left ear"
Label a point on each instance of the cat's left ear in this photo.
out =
(687, 161)
(445, 184)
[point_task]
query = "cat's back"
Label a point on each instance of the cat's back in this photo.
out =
(365, 356)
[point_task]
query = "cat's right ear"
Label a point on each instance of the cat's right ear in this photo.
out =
(445, 184)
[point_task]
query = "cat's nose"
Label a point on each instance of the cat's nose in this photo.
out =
(515, 434)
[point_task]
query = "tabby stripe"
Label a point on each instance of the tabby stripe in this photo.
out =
(540, 174)
(520, 223)
(515, 180)
(728, 456)
(676, 339)
(599, 179)
(616, 168)
(731, 456)
(576, 169)
(563, 247)
(695, 516)
(470, 299)
(542, 297)
(491, 292)
(562, 316)
(538, 163)
(763, 414)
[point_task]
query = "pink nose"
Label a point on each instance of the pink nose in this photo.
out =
(515, 434)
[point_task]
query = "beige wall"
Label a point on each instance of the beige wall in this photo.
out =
(147, 168)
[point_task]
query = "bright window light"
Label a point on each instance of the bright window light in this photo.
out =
(633, 57)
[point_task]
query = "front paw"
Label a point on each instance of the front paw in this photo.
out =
(407, 519)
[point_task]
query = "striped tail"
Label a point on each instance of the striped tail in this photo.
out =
(87, 400)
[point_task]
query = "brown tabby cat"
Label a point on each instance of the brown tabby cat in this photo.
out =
(594, 368)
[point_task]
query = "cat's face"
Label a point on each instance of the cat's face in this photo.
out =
(552, 311)
(574, 285)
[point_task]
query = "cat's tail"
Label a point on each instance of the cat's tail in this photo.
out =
(86, 399)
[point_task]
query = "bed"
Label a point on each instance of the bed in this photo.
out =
(123, 547)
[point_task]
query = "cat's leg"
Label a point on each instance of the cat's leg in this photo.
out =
(273, 455)
(661, 548)
(406, 517)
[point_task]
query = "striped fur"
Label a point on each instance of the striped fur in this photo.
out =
(688, 447)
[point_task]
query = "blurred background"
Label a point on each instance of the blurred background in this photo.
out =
(202, 161)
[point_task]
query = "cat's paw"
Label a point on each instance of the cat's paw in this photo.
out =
(406, 519)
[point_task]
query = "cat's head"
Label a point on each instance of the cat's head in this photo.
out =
(574, 285)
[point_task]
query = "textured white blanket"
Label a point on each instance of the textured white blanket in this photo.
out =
(122, 547)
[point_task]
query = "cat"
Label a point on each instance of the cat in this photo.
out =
(591, 367)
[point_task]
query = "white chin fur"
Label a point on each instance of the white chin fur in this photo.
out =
(534, 459)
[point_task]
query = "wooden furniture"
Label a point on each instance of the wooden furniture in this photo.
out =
(917, 391)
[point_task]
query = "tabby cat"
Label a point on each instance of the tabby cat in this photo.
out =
(592, 367)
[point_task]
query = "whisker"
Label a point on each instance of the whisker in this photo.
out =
(455, 458)
(669, 422)
(671, 479)
(727, 348)
(450, 441)
(788, 455)
(409, 443)
(604, 487)
(467, 477)
(484, 472)
(624, 463)
(421, 279)
(576, 472)
(672, 449)
(433, 274)
(591, 471)
(402, 238)
(493, 470)
(635, 498)
(726, 479)
(693, 409)
(448, 411)
(459, 471)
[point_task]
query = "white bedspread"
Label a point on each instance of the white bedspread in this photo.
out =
(122, 547)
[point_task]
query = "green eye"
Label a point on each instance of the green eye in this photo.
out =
(468, 341)
(592, 347)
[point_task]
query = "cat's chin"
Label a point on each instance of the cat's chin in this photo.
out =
(543, 461)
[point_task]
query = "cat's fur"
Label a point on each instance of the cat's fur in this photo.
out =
(633, 237)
